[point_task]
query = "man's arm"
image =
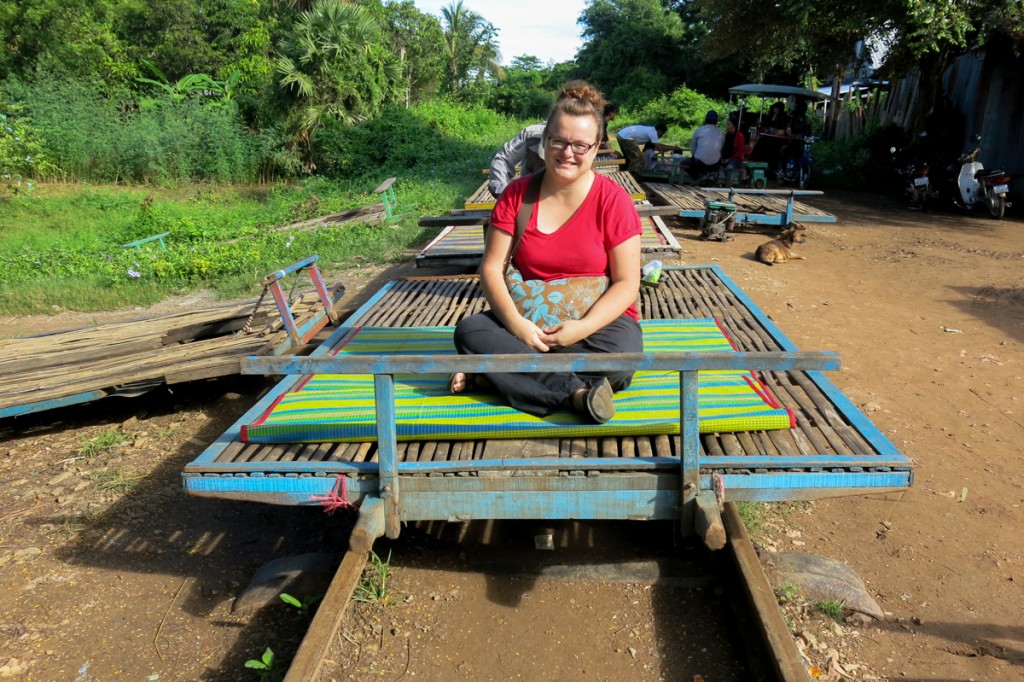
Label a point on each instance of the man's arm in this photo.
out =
(503, 165)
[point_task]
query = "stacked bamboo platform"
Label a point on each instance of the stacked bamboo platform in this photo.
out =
(689, 200)
(483, 200)
(463, 245)
(128, 358)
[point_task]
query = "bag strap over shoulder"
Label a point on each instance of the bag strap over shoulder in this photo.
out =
(530, 197)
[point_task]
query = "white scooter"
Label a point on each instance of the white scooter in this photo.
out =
(977, 185)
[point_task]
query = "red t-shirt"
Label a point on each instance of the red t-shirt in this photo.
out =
(605, 219)
(739, 147)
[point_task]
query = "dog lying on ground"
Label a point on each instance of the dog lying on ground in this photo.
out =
(780, 250)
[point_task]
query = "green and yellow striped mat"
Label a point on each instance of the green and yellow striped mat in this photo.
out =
(340, 407)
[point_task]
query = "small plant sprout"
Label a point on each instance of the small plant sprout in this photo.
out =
(787, 593)
(264, 665)
(303, 605)
(373, 587)
(833, 608)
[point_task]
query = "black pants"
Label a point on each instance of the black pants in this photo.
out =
(542, 393)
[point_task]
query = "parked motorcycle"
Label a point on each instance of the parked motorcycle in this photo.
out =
(979, 186)
(913, 173)
(796, 170)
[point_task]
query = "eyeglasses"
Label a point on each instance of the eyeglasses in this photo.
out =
(578, 148)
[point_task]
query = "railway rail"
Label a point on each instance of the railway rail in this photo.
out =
(760, 632)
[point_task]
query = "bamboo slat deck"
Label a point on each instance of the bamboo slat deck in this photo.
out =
(608, 160)
(690, 202)
(483, 200)
(833, 450)
(463, 245)
(127, 358)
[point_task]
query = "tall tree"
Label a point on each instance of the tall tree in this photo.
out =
(631, 48)
(820, 36)
(183, 37)
(470, 48)
(414, 38)
(62, 39)
(335, 63)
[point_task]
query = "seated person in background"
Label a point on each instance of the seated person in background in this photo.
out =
(610, 111)
(634, 139)
(706, 147)
(777, 121)
(798, 128)
(771, 131)
(734, 152)
(580, 224)
(525, 150)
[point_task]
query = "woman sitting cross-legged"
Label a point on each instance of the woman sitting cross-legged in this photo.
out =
(578, 233)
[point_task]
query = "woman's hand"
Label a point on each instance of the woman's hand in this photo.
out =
(529, 333)
(565, 334)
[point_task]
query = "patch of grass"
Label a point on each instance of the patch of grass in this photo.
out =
(373, 587)
(833, 608)
(116, 480)
(105, 441)
(753, 515)
(69, 528)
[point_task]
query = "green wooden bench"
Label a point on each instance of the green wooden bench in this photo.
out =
(137, 244)
(386, 190)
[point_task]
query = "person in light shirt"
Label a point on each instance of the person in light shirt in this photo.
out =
(705, 147)
(636, 139)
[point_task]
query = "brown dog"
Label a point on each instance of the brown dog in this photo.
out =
(780, 250)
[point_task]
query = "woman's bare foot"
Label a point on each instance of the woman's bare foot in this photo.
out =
(459, 383)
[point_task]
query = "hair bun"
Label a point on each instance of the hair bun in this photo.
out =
(582, 90)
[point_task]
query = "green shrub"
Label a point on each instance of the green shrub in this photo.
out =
(843, 164)
(101, 137)
(22, 157)
(418, 141)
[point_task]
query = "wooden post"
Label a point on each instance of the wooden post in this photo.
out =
(369, 526)
(689, 458)
(708, 522)
(387, 449)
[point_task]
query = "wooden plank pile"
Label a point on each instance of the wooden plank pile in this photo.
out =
(128, 358)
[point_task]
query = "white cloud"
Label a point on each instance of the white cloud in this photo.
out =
(545, 29)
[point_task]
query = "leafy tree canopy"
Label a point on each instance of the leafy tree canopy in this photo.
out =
(470, 48)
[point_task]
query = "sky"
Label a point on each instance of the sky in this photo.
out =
(546, 29)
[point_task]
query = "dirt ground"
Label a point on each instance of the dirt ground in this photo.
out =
(108, 571)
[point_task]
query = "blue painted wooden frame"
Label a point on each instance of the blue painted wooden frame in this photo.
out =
(782, 219)
(557, 487)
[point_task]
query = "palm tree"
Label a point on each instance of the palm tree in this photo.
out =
(335, 63)
(469, 46)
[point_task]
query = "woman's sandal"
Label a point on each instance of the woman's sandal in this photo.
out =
(595, 401)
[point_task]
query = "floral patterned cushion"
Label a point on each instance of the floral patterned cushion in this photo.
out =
(548, 303)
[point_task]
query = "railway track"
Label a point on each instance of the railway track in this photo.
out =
(753, 631)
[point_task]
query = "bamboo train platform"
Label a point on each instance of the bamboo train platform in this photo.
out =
(483, 200)
(832, 450)
(776, 207)
(129, 358)
(463, 245)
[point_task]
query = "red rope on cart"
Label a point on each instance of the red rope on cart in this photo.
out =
(336, 499)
